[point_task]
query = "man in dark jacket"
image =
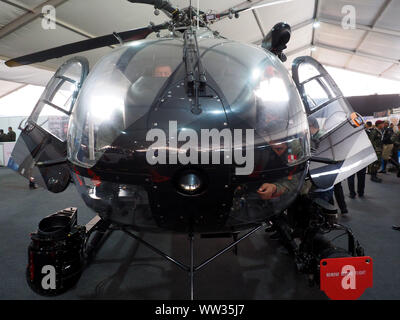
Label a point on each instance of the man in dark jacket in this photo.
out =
(387, 145)
(376, 135)
(396, 143)
(360, 174)
(3, 137)
(11, 135)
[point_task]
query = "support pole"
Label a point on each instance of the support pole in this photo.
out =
(191, 238)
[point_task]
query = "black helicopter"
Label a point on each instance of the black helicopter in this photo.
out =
(189, 133)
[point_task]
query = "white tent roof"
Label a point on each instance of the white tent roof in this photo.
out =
(373, 47)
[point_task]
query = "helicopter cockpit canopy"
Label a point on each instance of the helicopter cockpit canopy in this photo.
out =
(141, 86)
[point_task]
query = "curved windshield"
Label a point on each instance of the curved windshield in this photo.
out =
(118, 92)
(261, 95)
(247, 87)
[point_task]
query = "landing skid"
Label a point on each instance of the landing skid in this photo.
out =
(101, 226)
(191, 268)
(67, 249)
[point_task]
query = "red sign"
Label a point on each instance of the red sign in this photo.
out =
(346, 278)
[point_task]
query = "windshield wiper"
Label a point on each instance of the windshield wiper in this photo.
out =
(196, 79)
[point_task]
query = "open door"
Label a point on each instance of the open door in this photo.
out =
(41, 150)
(337, 132)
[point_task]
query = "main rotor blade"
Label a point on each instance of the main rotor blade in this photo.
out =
(159, 4)
(266, 5)
(234, 11)
(84, 45)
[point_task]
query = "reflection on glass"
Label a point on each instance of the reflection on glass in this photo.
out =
(52, 110)
(307, 71)
(316, 95)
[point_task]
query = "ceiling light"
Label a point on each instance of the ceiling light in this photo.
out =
(316, 24)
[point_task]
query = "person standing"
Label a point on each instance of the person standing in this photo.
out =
(3, 137)
(368, 128)
(396, 141)
(11, 135)
(340, 199)
(376, 135)
(360, 174)
(396, 147)
(387, 145)
(360, 183)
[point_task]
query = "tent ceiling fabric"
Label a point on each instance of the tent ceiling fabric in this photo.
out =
(7, 87)
(25, 75)
(8, 14)
(377, 32)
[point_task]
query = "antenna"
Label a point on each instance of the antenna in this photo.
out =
(190, 11)
(198, 14)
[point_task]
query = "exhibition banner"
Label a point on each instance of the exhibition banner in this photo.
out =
(6, 154)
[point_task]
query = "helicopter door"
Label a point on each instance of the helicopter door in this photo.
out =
(41, 150)
(338, 139)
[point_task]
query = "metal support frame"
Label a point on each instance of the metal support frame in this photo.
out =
(191, 268)
(357, 71)
(357, 53)
(260, 26)
(363, 27)
(376, 19)
(315, 17)
(395, 63)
